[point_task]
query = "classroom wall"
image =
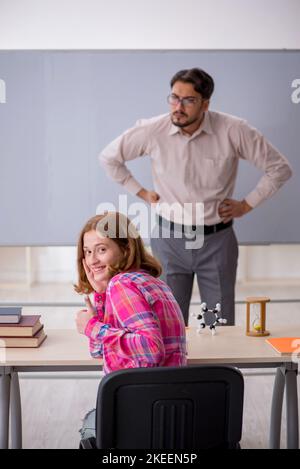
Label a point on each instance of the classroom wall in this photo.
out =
(155, 24)
(63, 107)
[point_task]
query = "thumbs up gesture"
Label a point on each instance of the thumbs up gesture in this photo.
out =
(84, 315)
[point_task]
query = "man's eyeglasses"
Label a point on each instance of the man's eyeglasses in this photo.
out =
(186, 102)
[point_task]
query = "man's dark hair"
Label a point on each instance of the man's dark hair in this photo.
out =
(202, 81)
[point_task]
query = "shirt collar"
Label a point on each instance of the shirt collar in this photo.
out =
(204, 127)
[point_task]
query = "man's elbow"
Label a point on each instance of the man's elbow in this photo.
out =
(284, 173)
(102, 159)
(111, 168)
(289, 172)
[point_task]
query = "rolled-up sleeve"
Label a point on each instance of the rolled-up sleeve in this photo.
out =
(94, 325)
(254, 147)
(130, 145)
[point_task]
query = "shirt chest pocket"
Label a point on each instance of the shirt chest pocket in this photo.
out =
(214, 172)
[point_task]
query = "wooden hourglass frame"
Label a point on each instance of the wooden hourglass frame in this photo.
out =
(259, 331)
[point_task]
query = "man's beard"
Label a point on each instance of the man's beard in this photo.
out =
(183, 124)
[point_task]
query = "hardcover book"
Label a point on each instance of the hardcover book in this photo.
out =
(10, 314)
(27, 327)
(23, 342)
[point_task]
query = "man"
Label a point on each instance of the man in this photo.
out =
(194, 155)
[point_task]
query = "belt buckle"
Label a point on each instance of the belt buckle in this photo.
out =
(215, 229)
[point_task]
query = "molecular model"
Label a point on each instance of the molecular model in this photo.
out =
(218, 320)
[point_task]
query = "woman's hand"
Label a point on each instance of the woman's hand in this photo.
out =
(84, 315)
(99, 287)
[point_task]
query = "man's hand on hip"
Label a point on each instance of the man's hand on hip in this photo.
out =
(148, 196)
(231, 208)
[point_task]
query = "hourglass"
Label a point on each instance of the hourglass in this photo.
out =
(256, 316)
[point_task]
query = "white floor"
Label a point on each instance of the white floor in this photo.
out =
(53, 404)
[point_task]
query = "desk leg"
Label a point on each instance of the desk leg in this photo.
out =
(276, 409)
(292, 409)
(4, 409)
(15, 413)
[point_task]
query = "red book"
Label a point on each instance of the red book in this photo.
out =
(23, 342)
(27, 327)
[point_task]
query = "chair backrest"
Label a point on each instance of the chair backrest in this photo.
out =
(190, 407)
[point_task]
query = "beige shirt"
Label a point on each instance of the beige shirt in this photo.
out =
(198, 168)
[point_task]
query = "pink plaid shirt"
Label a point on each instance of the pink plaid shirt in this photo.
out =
(138, 324)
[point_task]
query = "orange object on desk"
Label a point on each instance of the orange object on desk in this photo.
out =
(285, 345)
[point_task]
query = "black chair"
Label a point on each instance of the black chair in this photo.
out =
(193, 407)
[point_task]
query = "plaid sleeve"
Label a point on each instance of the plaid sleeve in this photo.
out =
(99, 301)
(137, 342)
(93, 327)
(92, 331)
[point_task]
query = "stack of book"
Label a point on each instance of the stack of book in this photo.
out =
(17, 330)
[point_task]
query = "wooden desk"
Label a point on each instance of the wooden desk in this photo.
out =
(231, 345)
(62, 348)
(66, 350)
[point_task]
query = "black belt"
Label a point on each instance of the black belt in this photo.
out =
(206, 229)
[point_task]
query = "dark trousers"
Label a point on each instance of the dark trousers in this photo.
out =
(215, 265)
